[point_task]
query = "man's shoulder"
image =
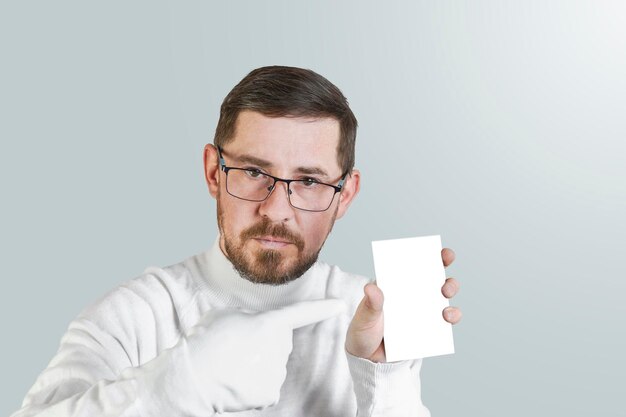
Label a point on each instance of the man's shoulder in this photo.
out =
(155, 290)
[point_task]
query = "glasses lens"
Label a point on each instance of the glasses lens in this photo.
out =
(309, 195)
(249, 185)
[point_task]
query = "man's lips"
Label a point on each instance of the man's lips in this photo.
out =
(272, 241)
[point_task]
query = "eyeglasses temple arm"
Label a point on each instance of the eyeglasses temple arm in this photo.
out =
(221, 158)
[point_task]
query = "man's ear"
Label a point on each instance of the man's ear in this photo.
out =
(350, 189)
(211, 169)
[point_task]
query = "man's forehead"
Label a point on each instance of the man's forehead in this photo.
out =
(287, 141)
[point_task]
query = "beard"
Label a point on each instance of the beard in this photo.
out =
(267, 266)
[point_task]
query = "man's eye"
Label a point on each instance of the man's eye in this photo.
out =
(254, 173)
(310, 182)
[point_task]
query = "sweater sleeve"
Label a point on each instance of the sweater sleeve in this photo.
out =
(387, 389)
(81, 381)
(125, 355)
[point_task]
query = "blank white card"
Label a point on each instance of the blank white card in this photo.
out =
(410, 274)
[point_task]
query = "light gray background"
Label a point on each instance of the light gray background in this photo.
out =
(499, 125)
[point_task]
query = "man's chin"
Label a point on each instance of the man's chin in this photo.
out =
(273, 267)
(263, 275)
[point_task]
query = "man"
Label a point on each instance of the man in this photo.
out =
(255, 325)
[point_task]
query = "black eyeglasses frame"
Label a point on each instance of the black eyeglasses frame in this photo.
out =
(338, 188)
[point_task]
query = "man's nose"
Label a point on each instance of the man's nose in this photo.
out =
(277, 207)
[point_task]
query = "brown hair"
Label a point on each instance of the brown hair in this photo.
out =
(278, 91)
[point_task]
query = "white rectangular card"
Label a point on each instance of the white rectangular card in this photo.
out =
(410, 274)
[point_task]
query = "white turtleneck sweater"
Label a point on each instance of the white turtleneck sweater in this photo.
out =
(116, 357)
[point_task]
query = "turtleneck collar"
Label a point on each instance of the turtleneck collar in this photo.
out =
(221, 279)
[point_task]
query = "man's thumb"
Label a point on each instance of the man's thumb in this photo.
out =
(371, 307)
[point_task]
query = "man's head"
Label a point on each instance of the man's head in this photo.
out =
(288, 123)
(289, 92)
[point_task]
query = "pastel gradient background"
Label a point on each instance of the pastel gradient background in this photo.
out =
(500, 125)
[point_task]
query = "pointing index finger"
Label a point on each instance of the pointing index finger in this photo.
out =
(308, 312)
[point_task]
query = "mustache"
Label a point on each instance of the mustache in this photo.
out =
(267, 228)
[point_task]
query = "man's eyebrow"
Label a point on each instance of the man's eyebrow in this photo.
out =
(312, 171)
(251, 159)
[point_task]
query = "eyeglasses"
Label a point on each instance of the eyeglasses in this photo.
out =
(305, 194)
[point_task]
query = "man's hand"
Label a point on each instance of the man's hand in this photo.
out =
(239, 359)
(365, 334)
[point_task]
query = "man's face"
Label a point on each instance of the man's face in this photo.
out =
(271, 241)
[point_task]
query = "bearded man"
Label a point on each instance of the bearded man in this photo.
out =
(256, 325)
